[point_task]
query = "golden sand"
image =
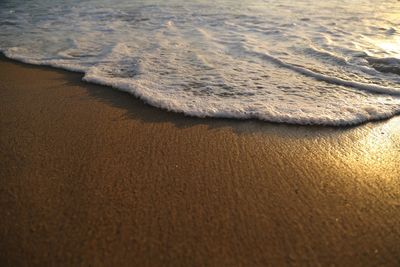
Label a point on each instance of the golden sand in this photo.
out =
(92, 176)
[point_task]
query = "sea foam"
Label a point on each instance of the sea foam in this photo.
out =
(253, 60)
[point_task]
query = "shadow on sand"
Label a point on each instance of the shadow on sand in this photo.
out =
(138, 110)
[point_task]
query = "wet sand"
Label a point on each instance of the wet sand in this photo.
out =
(92, 176)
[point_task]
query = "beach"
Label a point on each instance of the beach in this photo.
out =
(92, 176)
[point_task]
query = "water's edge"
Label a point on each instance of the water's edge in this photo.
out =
(343, 126)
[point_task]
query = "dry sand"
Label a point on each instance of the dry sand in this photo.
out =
(92, 176)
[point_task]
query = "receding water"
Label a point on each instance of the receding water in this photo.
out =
(304, 62)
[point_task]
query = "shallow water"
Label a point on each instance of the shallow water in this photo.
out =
(303, 62)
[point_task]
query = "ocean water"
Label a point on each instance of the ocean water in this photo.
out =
(303, 62)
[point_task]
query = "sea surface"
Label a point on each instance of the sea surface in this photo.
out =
(302, 62)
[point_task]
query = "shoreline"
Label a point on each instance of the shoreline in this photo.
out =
(93, 176)
(339, 124)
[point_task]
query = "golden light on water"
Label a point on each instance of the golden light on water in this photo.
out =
(391, 47)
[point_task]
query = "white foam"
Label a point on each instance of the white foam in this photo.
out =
(218, 59)
(335, 80)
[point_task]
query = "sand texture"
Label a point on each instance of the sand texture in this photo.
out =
(90, 176)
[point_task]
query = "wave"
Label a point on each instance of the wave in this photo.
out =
(214, 109)
(385, 65)
(373, 88)
(211, 59)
